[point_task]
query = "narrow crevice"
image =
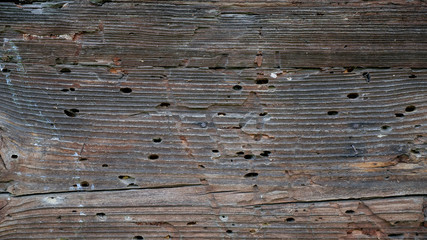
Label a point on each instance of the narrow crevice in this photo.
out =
(3, 163)
(344, 199)
(103, 190)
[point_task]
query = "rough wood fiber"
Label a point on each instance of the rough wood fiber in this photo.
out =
(196, 213)
(213, 119)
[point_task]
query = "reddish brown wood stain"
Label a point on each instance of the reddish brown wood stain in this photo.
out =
(213, 119)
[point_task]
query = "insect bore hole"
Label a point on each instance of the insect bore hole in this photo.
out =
(125, 90)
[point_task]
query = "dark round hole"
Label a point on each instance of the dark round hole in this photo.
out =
(332, 113)
(215, 151)
(201, 166)
(82, 159)
(84, 184)
(399, 114)
(191, 223)
(70, 113)
(14, 156)
(265, 153)
(138, 237)
(221, 114)
(249, 156)
(229, 231)
(153, 156)
(100, 214)
(72, 89)
(237, 87)
(164, 104)
(412, 76)
(393, 235)
(125, 90)
(385, 128)
(263, 114)
(240, 153)
(290, 219)
(157, 140)
(353, 95)
(104, 165)
(251, 174)
(261, 81)
(410, 108)
(415, 151)
(65, 90)
(65, 70)
(125, 177)
(349, 211)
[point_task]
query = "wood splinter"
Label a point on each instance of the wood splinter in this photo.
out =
(258, 59)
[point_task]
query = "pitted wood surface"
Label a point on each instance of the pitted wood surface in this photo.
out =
(191, 119)
(197, 213)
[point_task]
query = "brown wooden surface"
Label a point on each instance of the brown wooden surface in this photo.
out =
(213, 119)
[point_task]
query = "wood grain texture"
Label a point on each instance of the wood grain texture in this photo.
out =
(198, 213)
(188, 119)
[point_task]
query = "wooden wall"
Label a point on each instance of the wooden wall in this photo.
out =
(235, 119)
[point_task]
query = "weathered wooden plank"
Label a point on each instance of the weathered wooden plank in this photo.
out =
(300, 132)
(206, 34)
(198, 213)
